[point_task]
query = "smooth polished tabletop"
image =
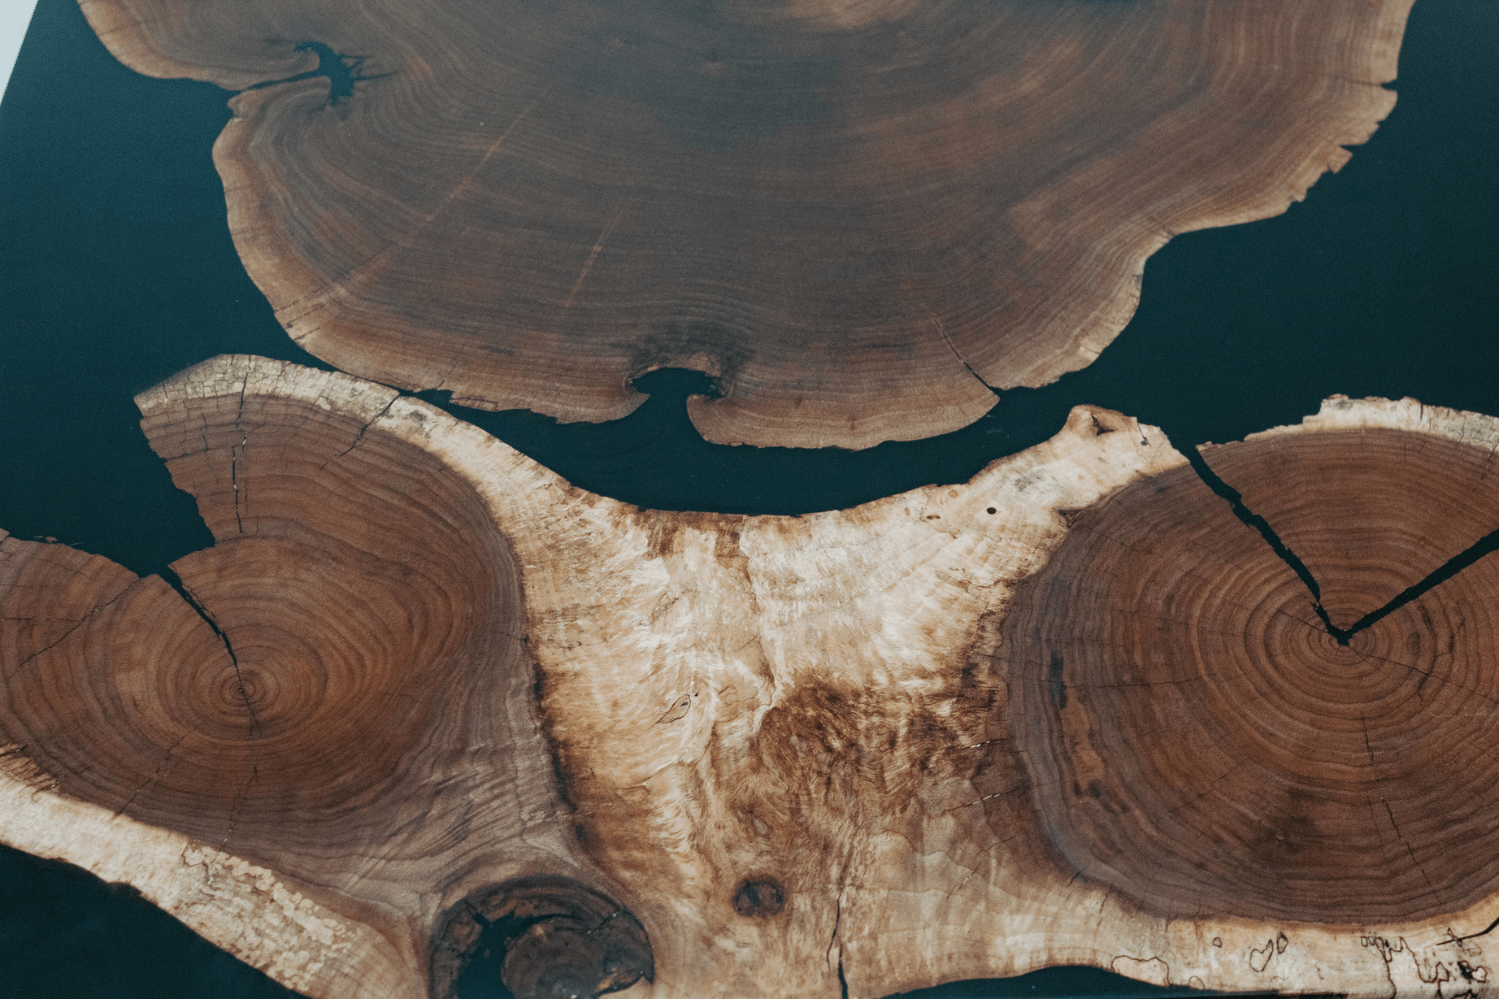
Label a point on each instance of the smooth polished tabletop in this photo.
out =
(116, 271)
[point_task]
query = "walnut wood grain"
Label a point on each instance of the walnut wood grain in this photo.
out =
(1069, 712)
(855, 216)
(339, 693)
(1200, 742)
(1364, 532)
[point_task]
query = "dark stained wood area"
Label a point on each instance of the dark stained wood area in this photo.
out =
(857, 216)
(335, 690)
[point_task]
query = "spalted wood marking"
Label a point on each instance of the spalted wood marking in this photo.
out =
(1067, 712)
(855, 216)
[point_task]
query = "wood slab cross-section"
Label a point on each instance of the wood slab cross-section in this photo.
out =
(1074, 711)
(857, 215)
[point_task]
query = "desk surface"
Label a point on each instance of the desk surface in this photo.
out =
(116, 270)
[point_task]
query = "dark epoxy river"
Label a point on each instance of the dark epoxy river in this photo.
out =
(116, 271)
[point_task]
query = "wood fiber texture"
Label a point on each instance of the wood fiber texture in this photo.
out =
(1073, 711)
(857, 216)
(1200, 741)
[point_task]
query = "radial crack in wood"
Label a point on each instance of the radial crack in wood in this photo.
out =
(345, 697)
(1198, 740)
(857, 217)
(1070, 712)
(1365, 534)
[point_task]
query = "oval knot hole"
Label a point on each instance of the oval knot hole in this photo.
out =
(759, 898)
(538, 937)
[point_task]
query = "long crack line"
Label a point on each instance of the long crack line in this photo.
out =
(1478, 550)
(343, 72)
(1391, 815)
(64, 636)
(167, 756)
(234, 474)
(175, 581)
(234, 806)
(1250, 518)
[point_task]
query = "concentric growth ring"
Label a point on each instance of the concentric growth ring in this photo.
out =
(351, 632)
(1200, 741)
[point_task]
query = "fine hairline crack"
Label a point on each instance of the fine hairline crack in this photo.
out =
(1441, 574)
(942, 330)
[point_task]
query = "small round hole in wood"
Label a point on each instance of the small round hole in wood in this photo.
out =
(759, 899)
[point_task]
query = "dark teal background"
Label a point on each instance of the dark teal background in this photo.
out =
(116, 271)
